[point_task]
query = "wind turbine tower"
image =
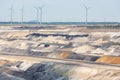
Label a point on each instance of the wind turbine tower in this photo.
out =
(22, 15)
(37, 10)
(41, 14)
(11, 15)
(86, 9)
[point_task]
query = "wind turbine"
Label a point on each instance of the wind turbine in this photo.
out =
(41, 14)
(86, 9)
(104, 21)
(22, 14)
(11, 14)
(37, 10)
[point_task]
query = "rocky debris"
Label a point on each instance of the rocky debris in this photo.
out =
(3, 62)
(55, 40)
(29, 51)
(64, 78)
(76, 42)
(99, 34)
(21, 45)
(100, 42)
(80, 40)
(64, 55)
(57, 71)
(13, 35)
(99, 51)
(114, 50)
(10, 50)
(83, 49)
(109, 59)
(114, 35)
(71, 55)
(45, 48)
(40, 72)
(68, 36)
(24, 66)
(83, 57)
(51, 44)
(5, 76)
(115, 39)
(107, 74)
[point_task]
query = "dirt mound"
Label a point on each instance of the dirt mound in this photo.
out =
(64, 55)
(83, 49)
(109, 59)
(99, 51)
(100, 42)
(3, 62)
(66, 49)
(71, 55)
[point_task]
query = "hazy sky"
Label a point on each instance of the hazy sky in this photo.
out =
(62, 10)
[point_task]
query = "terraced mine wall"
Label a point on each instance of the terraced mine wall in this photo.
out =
(59, 54)
(34, 68)
(67, 36)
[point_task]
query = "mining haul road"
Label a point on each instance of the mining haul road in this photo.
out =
(34, 59)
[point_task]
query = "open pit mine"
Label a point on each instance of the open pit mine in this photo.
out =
(60, 52)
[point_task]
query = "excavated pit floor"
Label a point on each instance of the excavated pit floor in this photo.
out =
(59, 53)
